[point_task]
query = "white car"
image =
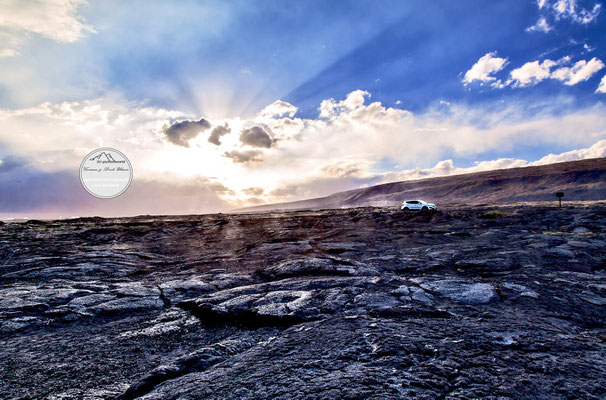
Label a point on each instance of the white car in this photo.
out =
(417, 205)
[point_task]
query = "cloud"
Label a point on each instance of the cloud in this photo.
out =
(595, 151)
(483, 69)
(253, 191)
(279, 108)
(9, 163)
(579, 72)
(219, 188)
(585, 16)
(354, 100)
(217, 132)
(60, 193)
(343, 169)
(540, 26)
(254, 200)
(563, 10)
(532, 73)
(59, 135)
(345, 149)
(181, 132)
(244, 156)
(8, 53)
(568, 9)
(54, 19)
(54, 190)
(257, 136)
(360, 136)
(602, 87)
(447, 167)
(312, 187)
(285, 191)
(564, 7)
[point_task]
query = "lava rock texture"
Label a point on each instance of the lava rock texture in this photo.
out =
(367, 303)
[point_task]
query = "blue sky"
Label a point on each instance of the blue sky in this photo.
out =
(347, 93)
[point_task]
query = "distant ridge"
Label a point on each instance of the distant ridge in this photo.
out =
(579, 180)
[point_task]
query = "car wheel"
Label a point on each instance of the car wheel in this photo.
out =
(406, 209)
(424, 208)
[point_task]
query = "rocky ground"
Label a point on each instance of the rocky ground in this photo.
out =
(366, 303)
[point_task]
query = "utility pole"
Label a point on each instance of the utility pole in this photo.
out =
(559, 195)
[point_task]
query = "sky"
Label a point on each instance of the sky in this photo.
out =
(220, 105)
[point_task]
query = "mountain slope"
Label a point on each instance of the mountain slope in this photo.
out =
(579, 180)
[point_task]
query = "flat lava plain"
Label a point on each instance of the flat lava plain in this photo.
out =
(493, 301)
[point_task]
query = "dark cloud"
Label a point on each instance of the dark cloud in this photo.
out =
(181, 132)
(8, 163)
(26, 191)
(254, 200)
(219, 188)
(217, 132)
(244, 156)
(257, 136)
(322, 187)
(342, 170)
(253, 191)
(285, 191)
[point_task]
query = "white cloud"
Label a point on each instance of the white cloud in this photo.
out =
(499, 84)
(586, 16)
(362, 136)
(579, 72)
(595, 151)
(354, 100)
(8, 53)
(602, 87)
(64, 132)
(564, 10)
(483, 69)
(341, 150)
(564, 7)
(54, 19)
(540, 26)
(279, 108)
(447, 167)
(531, 73)
(568, 9)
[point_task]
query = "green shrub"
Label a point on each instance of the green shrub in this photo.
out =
(492, 215)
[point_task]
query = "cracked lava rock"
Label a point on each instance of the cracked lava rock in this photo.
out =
(367, 303)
